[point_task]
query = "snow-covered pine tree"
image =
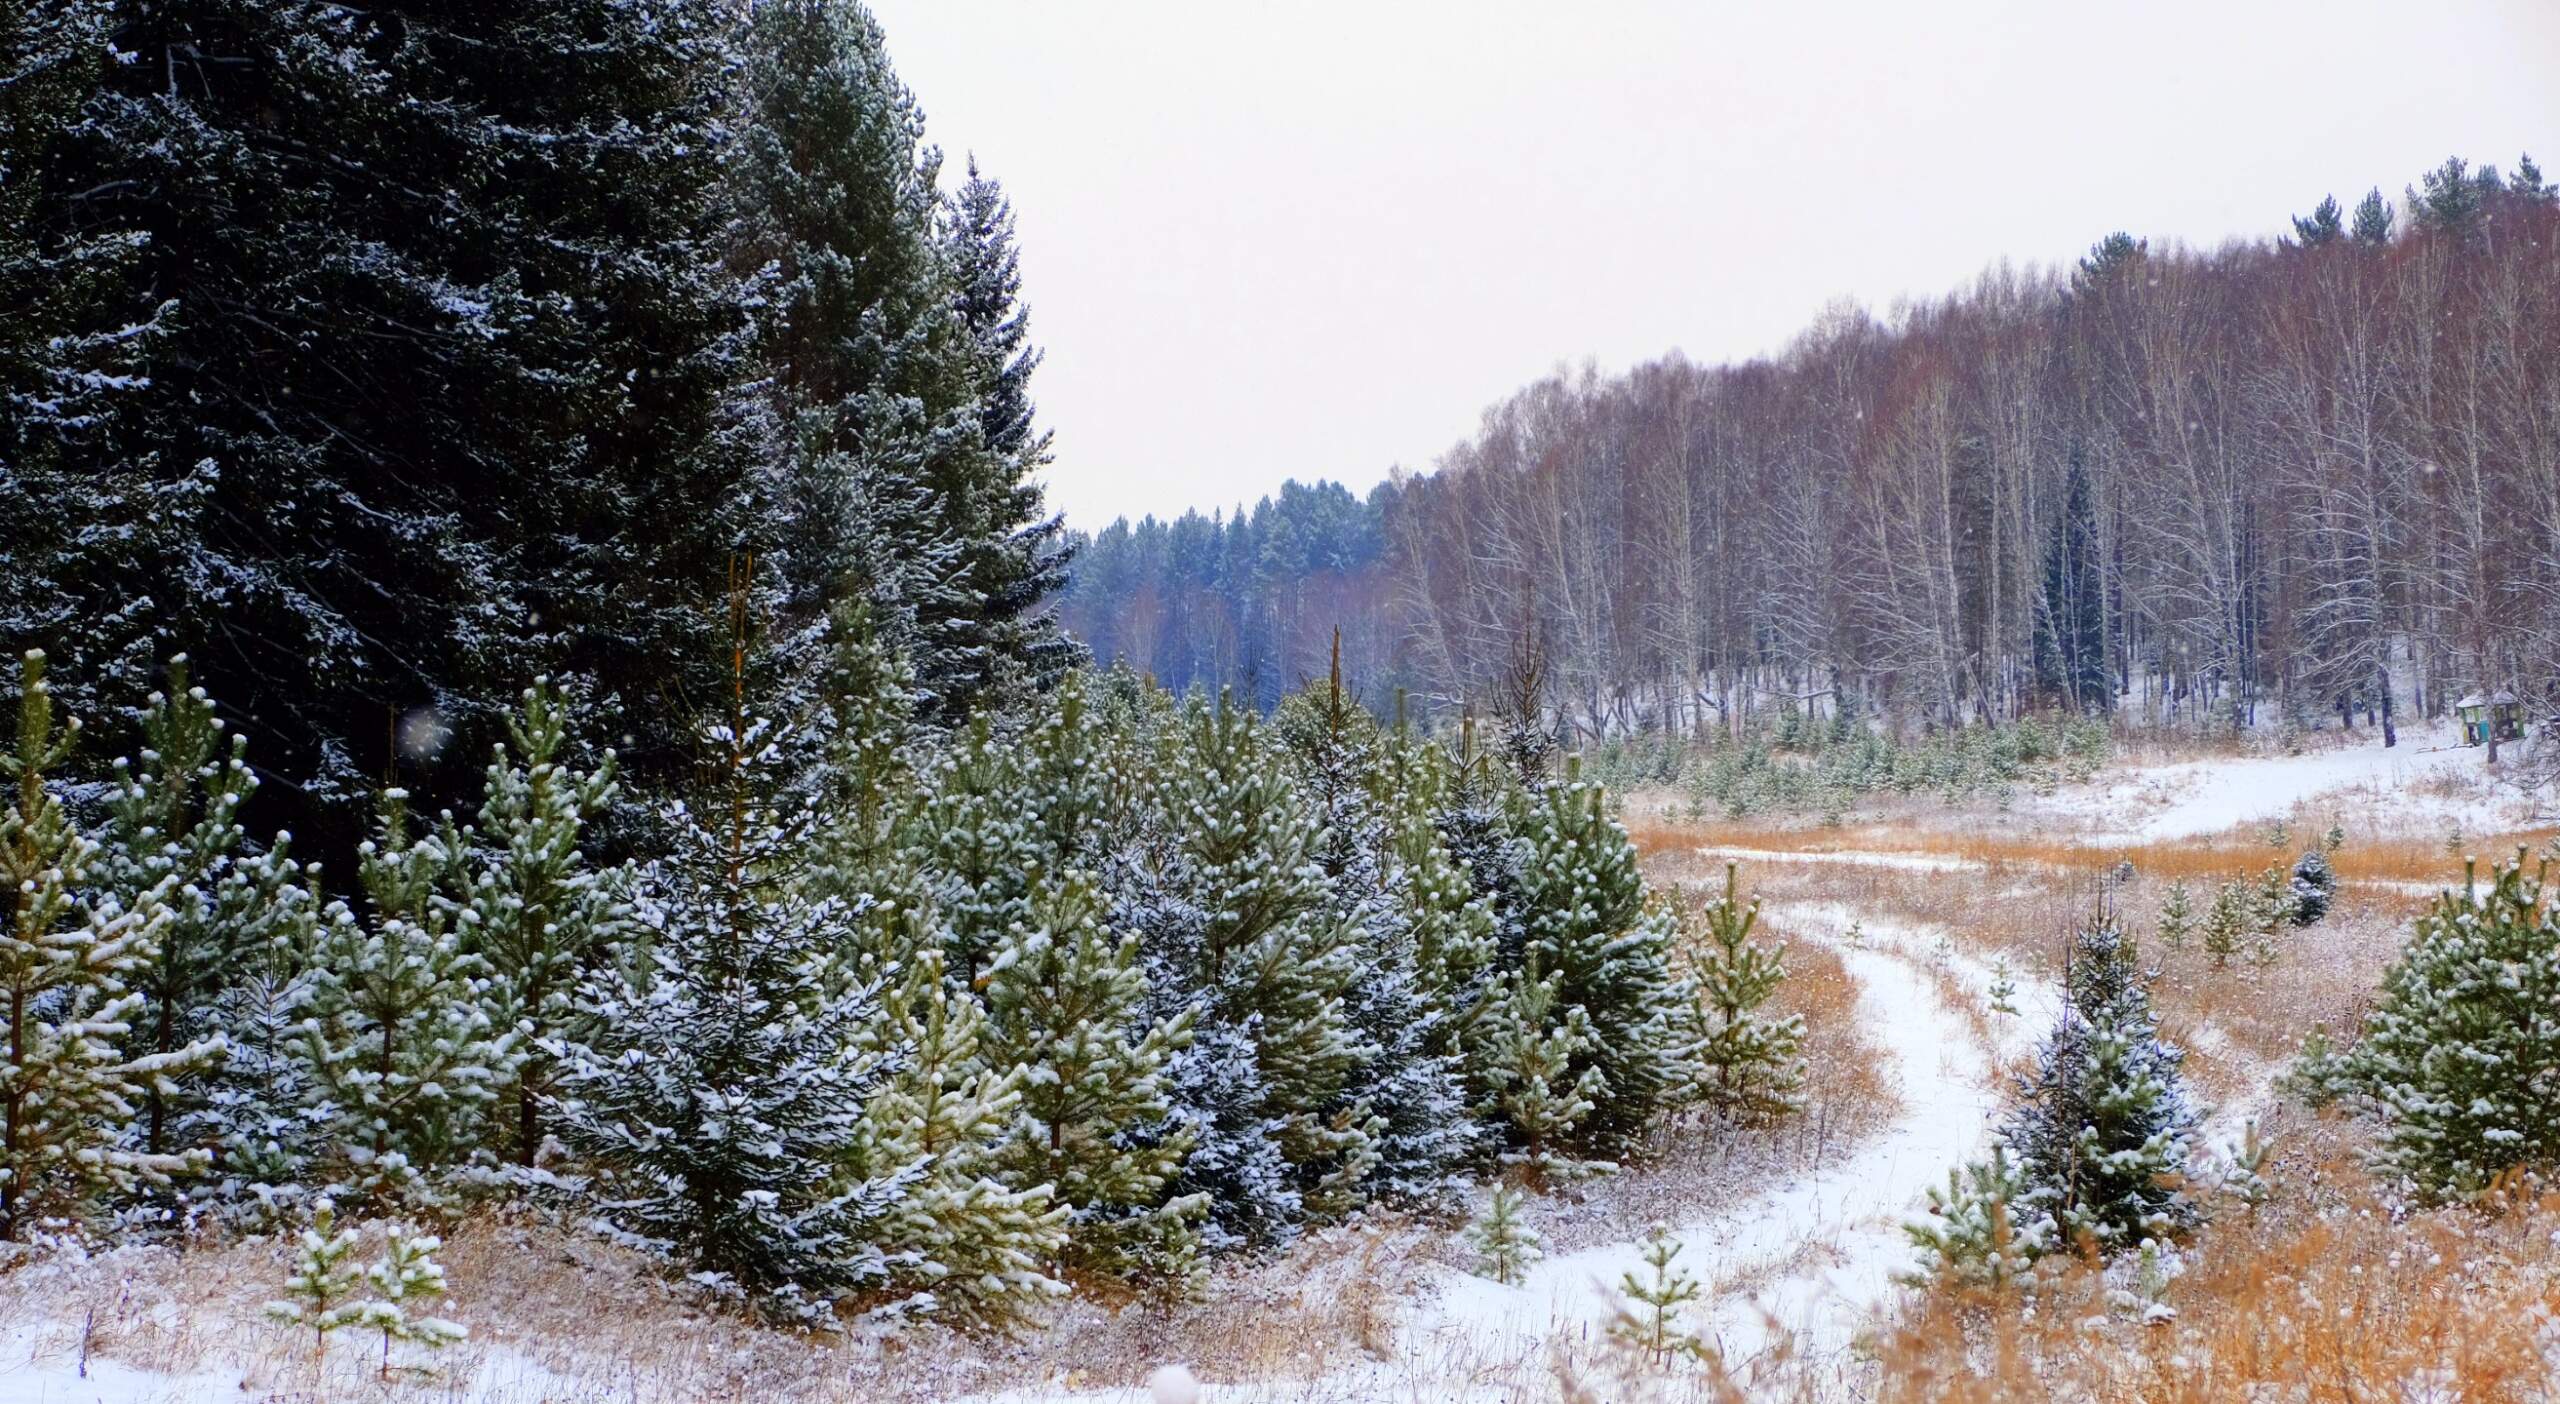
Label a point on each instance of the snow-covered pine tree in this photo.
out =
(429, 273)
(2227, 923)
(1659, 1295)
(1525, 1061)
(1477, 820)
(886, 484)
(1592, 931)
(404, 1057)
(1066, 999)
(719, 1092)
(964, 1246)
(74, 340)
(172, 840)
(975, 843)
(1505, 1246)
(1751, 1064)
(1412, 1081)
(1231, 909)
(404, 1280)
(536, 910)
(2100, 1132)
(2314, 885)
(2459, 1057)
(320, 1293)
(1018, 556)
(1980, 1230)
(2177, 916)
(67, 1083)
(1454, 949)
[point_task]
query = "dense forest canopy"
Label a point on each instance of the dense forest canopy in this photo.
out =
(2319, 474)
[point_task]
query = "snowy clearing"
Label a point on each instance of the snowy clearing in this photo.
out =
(2190, 799)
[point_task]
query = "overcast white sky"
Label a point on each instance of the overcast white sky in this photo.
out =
(1265, 241)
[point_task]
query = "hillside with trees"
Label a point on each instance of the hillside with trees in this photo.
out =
(2309, 478)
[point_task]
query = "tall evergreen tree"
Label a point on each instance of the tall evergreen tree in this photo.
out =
(75, 337)
(1019, 554)
(2372, 227)
(2325, 224)
(2071, 625)
(445, 382)
(889, 488)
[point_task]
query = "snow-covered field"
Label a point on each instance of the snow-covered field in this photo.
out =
(2427, 781)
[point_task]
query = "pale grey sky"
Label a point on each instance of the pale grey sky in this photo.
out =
(1265, 241)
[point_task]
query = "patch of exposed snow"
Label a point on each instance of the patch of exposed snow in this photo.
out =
(2189, 799)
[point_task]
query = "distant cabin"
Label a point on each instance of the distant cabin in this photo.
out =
(2480, 713)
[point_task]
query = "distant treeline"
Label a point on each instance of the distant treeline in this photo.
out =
(2320, 473)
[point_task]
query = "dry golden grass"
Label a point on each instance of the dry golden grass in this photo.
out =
(2330, 1296)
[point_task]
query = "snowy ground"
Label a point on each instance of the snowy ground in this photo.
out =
(2427, 781)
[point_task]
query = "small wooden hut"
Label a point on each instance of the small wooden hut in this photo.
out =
(2484, 713)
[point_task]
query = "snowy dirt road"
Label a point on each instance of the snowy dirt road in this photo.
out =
(1815, 1258)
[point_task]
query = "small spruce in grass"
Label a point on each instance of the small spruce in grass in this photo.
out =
(2242, 1176)
(320, 1295)
(1507, 1245)
(1752, 1064)
(2314, 886)
(1650, 1321)
(1978, 1232)
(407, 1277)
(2458, 1056)
(2333, 840)
(1528, 1058)
(2226, 923)
(2177, 916)
(2004, 990)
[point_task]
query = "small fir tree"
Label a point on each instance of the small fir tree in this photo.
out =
(1980, 1230)
(537, 911)
(405, 1060)
(2177, 916)
(2460, 1055)
(1752, 1064)
(68, 1086)
(2243, 1178)
(1506, 1246)
(2100, 1132)
(2228, 924)
(2004, 989)
(320, 1296)
(1066, 999)
(1658, 1297)
(2313, 886)
(405, 1279)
